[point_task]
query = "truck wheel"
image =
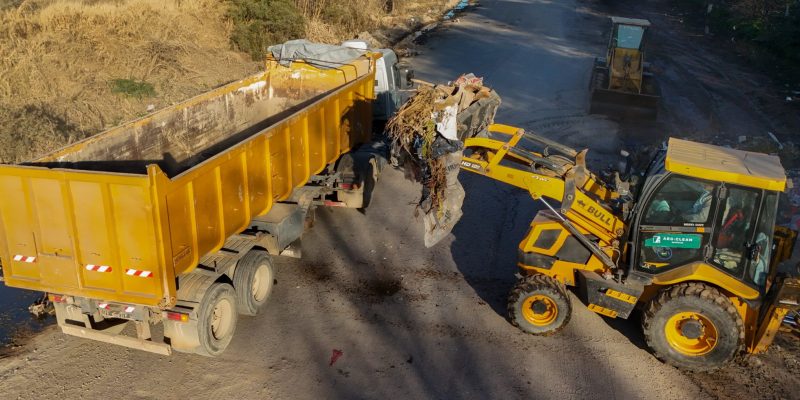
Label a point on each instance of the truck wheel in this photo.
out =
(216, 319)
(370, 180)
(253, 280)
(693, 326)
(539, 305)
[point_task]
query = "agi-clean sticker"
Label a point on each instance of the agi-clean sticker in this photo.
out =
(675, 240)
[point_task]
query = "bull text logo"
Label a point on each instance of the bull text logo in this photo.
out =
(599, 214)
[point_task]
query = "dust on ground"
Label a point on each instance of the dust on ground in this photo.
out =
(774, 374)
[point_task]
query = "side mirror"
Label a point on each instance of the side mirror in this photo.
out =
(406, 76)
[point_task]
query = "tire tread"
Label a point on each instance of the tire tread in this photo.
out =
(534, 283)
(698, 290)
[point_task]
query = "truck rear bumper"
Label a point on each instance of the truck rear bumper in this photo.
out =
(70, 317)
(126, 341)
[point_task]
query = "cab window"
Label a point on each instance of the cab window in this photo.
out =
(629, 36)
(675, 227)
(761, 247)
(681, 201)
(734, 229)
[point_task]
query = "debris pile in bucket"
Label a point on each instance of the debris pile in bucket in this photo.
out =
(427, 134)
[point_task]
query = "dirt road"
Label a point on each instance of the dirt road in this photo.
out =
(412, 323)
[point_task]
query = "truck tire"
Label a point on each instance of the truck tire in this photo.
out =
(370, 180)
(366, 174)
(693, 326)
(539, 305)
(216, 319)
(352, 198)
(253, 280)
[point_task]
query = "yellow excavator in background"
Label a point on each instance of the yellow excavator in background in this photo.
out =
(691, 241)
(622, 83)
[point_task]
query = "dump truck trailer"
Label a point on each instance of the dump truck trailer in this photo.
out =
(172, 218)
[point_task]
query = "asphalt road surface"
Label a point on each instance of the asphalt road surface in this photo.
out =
(411, 322)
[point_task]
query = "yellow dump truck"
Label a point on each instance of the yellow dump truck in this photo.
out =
(172, 218)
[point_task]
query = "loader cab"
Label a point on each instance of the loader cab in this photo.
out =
(622, 85)
(708, 210)
(625, 60)
(627, 33)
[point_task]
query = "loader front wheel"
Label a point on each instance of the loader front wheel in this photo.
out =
(693, 326)
(539, 305)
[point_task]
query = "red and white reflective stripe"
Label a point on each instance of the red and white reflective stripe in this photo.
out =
(139, 273)
(129, 309)
(98, 268)
(103, 306)
(25, 259)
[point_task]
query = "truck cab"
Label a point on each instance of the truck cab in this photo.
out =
(392, 82)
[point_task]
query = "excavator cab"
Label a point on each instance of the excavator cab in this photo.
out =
(622, 84)
(693, 246)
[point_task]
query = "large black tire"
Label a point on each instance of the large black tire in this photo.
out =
(693, 326)
(216, 319)
(253, 280)
(371, 174)
(539, 305)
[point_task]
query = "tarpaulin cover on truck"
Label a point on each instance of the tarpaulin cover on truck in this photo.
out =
(320, 55)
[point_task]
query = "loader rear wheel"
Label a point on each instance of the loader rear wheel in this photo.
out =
(539, 305)
(693, 326)
(253, 280)
(216, 319)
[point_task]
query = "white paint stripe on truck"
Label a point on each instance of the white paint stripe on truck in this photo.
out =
(25, 259)
(98, 268)
(139, 273)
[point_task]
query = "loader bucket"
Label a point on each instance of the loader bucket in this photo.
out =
(624, 105)
(475, 119)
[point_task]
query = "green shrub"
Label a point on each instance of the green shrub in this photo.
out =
(352, 15)
(133, 88)
(4, 4)
(258, 24)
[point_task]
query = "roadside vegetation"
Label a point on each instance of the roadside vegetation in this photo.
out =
(72, 68)
(258, 24)
(132, 88)
(766, 31)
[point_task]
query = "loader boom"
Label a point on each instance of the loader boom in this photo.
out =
(560, 174)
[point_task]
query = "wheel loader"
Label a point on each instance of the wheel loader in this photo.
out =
(690, 241)
(622, 84)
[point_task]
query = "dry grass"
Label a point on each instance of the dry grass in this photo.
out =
(61, 57)
(332, 21)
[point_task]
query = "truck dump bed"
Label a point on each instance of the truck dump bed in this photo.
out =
(120, 215)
